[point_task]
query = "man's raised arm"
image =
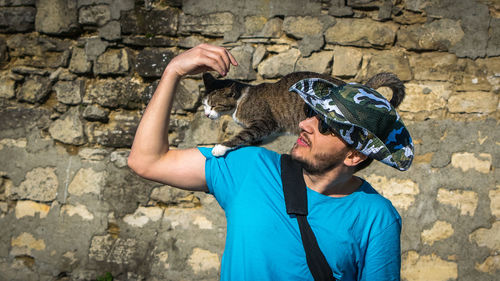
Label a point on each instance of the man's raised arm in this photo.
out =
(150, 156)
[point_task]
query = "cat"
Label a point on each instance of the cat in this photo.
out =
(269, 108)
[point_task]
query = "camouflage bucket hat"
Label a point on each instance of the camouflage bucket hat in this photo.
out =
(363, 118)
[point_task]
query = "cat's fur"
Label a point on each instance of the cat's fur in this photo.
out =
(269, 108)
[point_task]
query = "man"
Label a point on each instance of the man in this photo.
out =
(357, 229)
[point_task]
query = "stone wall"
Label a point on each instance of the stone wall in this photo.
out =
(75, 76)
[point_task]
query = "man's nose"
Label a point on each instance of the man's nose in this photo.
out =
(308, 124)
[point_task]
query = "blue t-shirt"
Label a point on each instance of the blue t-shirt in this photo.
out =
(359, 234)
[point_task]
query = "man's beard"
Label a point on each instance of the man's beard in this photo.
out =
(321, 163)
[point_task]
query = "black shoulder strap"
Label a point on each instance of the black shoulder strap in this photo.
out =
(294, 189)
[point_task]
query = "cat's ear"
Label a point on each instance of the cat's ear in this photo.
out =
(209, 81)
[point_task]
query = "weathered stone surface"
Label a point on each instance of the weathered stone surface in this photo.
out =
(27, 208)
(70, 92)
(40, 184)
(173, 196)
(113, 61)
(152, 62)
(7, 87)
(79, 62)
(339, 9)
(29, 71)
(35, 89)
(56, 17)
(17, 19)
(467, 161)
(280, 64)
(87, 180)
(430, 96)
(473, 102)
(94, 15)
(96, 113)
(272, 29)
(493, 48)
(254, 24)
(154, 22)
(465, 201)
(49, 59)
(114, 93)
(346, 61)
(188, 95)
(79, 209)
(35, 45)
(68, 128)
(202, 260)
(157, 41)
(18, 122)
(434, 66)
(487, 237)
(117, 7)
(317, 62)
(491, 265)
(3, 50)
(107, 249)
(495, 201)
(361, 32)
(258, 55)
(439, 35)
(395, 62)
(439, 231)
(212, 25)
(311, 43)
(25, 243)
(244, 71)
(119, 132)
(110, 31)
(14, 3)
(94, 47)
(143, 215)
(299, 27)
(119, 158)
(401, 192)
(422, 268)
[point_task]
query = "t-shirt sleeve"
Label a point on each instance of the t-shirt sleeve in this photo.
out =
(225, 175)
(383, 254)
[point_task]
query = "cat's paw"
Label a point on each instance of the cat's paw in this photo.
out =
(220, 150)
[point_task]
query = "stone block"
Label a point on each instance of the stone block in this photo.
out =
(493, 48)
(279, 65)
(272, 29)
(31, 44)
(110, 31)
(395, 62)
(423, 268)
(79, 62)
(48, 60)
(40, 184)
(3, 50)
(113, 93)
(495, 201)
(119, 132)
(439, 231)
(119, 158)
(244, 71)
(96, 113)
(209, 25)
(28, 208)
(317, 62)
(94, 47)
(203, 260)
(113, 61)
(35, 89)
(465, 201)
(25, 243)
(339, 9)
(434, 66)
(468, 161)
(152, 62)
(188, 95)
(87, 181)
(157, 41)
(7, 87)
(401, 192)
(68, 128)
(361, 33)
(17, 19)
(94, 15)
(311, 43)
(14, 3)
(430, 96)
(473, 102)
(487, 237)
(154, 22)
(56, 16)
(143, 215)
(253, 25)
(346, 61)
(79, 210)
(439, 35)
(299, 27)
(19, 122)
(70, 92)
(490, 265)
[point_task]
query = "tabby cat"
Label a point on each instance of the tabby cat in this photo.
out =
(269, 108)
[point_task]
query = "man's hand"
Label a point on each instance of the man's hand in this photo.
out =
(202, 58)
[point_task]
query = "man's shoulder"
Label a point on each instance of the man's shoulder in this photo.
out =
(245, 153)
(376, 202)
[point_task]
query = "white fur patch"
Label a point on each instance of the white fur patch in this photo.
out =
(220, 150)
(209, 112)
(244, 93)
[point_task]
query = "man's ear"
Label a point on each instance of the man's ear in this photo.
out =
(354, 157)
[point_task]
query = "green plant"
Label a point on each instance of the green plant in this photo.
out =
(107, 277)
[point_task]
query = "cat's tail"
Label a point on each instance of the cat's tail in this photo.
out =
(387, 79)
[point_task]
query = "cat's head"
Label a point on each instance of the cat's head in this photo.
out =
(221, 96)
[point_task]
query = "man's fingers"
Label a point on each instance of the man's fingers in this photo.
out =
(222, 55)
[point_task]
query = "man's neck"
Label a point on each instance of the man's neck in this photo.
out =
(333, 183)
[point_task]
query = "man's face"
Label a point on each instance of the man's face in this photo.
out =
(318, 152)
